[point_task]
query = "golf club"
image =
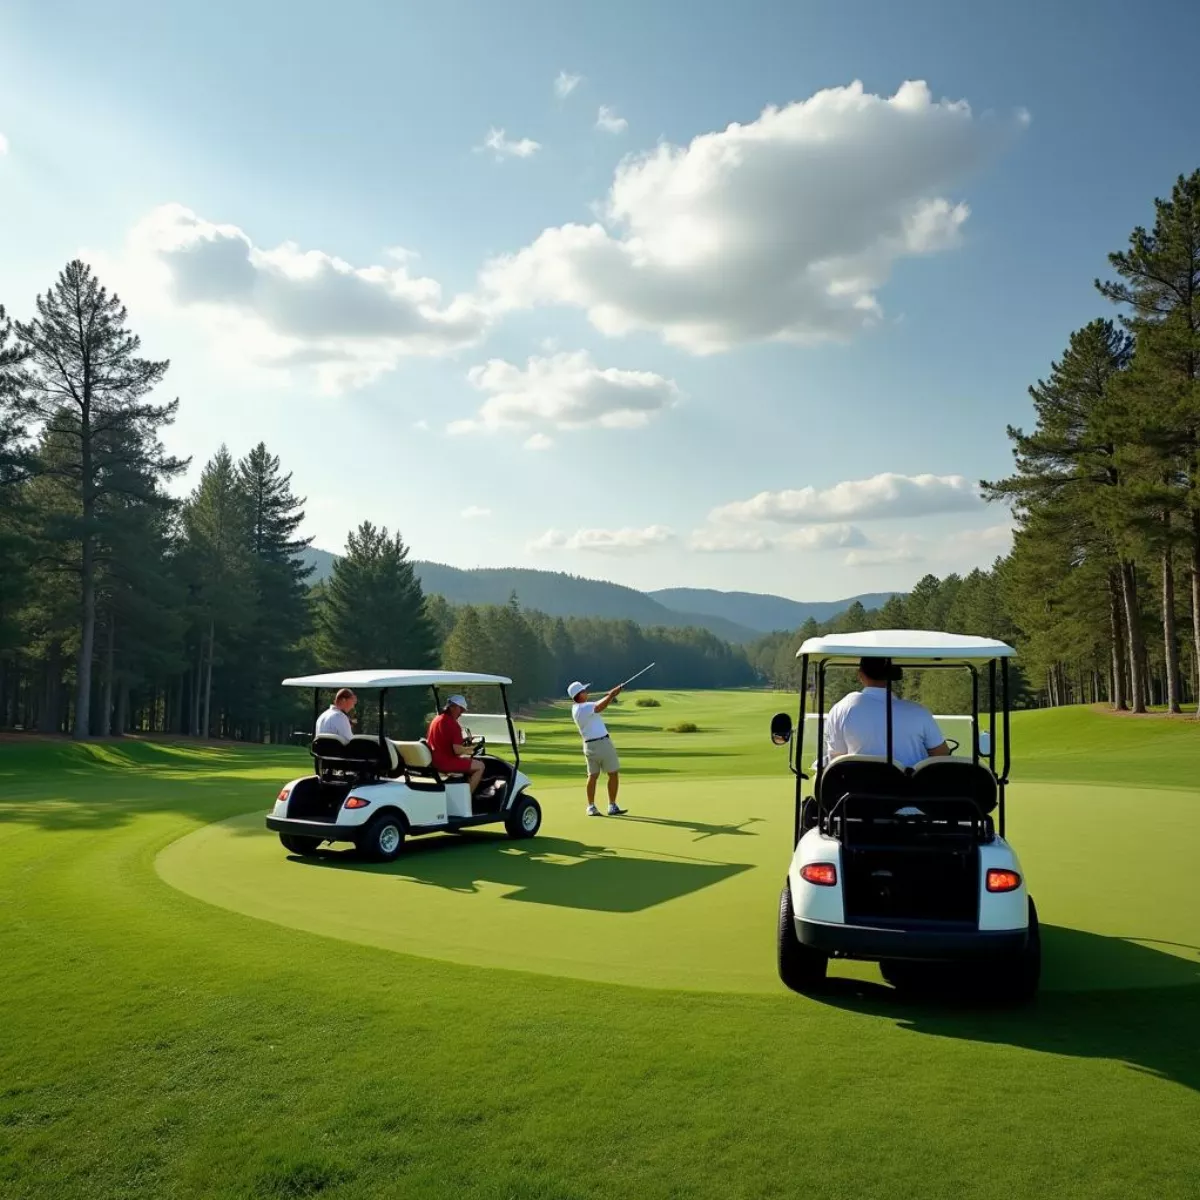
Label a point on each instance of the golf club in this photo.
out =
(633, 677)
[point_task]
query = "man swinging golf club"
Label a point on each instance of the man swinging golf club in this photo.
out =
(598, 749)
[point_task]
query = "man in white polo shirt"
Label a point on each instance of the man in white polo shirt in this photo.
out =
(598, 749)
(336, 718)
(857, 724)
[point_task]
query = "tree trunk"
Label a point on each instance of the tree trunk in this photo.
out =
(1137, 648)
(122, 724)
(48, 708)
(1117, 633)
(87, 635)
(194, 715)
(1170, 636)
(1196, 607)
(212, 643)
(104, 726)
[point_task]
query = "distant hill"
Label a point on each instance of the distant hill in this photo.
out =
(563, 595)
(766, 614)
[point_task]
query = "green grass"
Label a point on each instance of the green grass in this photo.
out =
(153, 1044)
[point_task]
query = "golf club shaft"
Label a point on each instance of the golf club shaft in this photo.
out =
(633, 677)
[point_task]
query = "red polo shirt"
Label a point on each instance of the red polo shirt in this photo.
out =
(444, 734)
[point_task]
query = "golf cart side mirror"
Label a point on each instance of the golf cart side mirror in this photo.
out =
(781, 729)
(985, 743)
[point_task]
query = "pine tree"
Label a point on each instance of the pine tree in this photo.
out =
(88, 384)
(373, 615)
(1159, 282)
(220, 565)
(14, 468)
(282, 617)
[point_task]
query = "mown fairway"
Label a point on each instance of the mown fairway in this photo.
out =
(155, 1044)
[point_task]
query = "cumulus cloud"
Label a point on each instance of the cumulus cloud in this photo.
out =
(885, 495)
(504, 147)
(565, 391)
(961, 551)
(605, 541)
(729, 539)
(475, 513)
(608, 122)
(565, 83)
(782, 229)
(538, 441)
(3, 145)
(287, 307)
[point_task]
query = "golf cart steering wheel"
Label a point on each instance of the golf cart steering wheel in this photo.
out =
(478, 747)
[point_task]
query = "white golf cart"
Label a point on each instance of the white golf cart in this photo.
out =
(906, 867)
(373, 791)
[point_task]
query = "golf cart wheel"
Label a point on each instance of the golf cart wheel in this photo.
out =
(524, 819)
(383, 839)
(299, 845)
(800, 967)
(1017, 980)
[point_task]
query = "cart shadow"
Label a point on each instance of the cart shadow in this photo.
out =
(555, 871)
(1128, 1002)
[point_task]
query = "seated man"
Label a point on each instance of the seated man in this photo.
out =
(449, 748)
(857, 724)
(336, 718)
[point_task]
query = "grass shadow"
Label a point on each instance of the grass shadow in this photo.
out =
(1128, 1002)
(702, 829)
(556, 871)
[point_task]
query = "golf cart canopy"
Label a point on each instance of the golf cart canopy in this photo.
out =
(904, 647)
(385, 678)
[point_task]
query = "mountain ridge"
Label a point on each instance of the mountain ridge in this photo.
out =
(737, 617)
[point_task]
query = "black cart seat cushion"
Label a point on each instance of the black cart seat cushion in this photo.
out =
(946, 777)
(861, 774)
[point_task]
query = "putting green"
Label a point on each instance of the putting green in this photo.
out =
(683, 891)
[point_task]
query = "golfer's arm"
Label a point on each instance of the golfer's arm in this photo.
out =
(939, 751)
(601, 705)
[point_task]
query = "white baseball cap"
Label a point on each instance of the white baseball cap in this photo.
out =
(461, 701)
(576, 688)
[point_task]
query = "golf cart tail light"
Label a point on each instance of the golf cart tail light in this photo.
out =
(283, 795)
(824, 874)
(357, 802)
(1002, 881)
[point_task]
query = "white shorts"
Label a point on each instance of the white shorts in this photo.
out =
(601, 755)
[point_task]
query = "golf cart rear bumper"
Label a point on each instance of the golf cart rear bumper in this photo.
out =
(931, 944)
(314, 829)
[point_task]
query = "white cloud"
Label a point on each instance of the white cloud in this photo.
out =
(608, 122)
(961, 551)
(539, 441)
(3, 144)
(285, 307)
(823, 537)
(729, 539)
(475, 513)
(782, 229)
(885, 495)
(504, 147)
(422, 425)
(605, 541)
(565, 391)
(566, 83)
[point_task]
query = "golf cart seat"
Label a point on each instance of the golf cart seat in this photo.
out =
(361, 751)
(418, 762)
(945, 777)
(861, 774)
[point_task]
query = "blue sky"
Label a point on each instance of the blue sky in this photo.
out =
(773, 359)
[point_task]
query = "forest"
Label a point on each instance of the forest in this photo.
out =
(125, 607)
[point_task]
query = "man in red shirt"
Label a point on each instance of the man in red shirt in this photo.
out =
(451, 751)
